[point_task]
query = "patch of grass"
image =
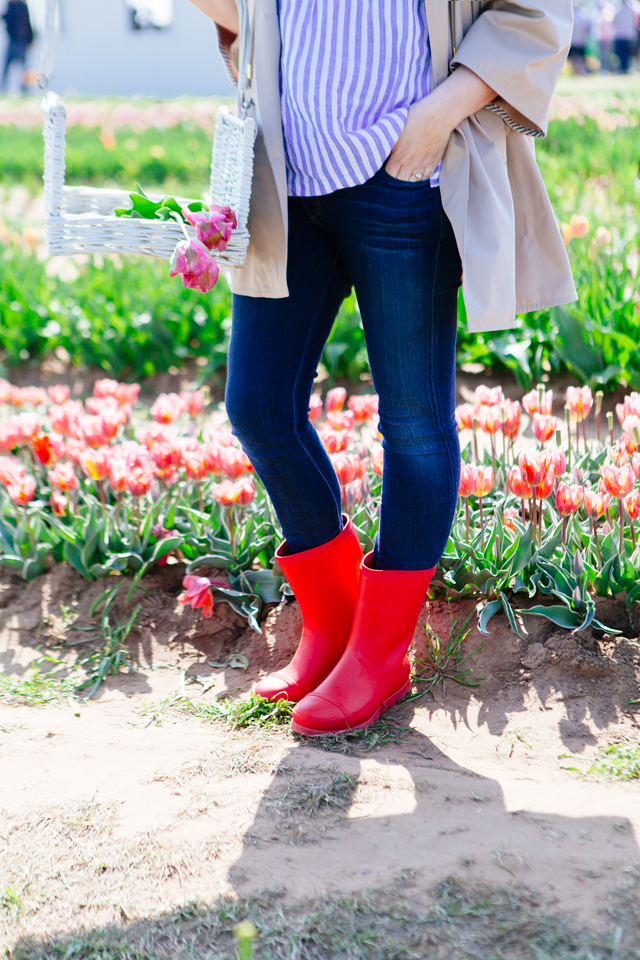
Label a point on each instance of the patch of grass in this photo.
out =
(459, 921)
(445, 659)
(35, 687)
(250, 712)
(620, 761)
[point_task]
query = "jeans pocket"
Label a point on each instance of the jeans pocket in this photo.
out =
(404, 184)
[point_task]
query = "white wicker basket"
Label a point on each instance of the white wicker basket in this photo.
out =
(81, 219)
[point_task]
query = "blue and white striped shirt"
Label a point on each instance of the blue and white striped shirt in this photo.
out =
(350, 70)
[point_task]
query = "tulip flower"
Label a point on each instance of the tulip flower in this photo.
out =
(344, 467)
(377, 457)
(490, 418)
(484, 485)
(464, 414)
(543, 427)
(578, 225)
(22, 489)
(197, 594)
(341, 420)
(226, 493)
(59, 393)
(192, 262)
(334, 401)
(248, 466)
(47, 449)
(315, 407)
(364, 406)
(92, 430)
(27, 426)
(509, 515)
(126, 393)
(579, 401)
(34, 396)
(64, 418)
(632, 503)
(532, 467)
(193, 401)
(518, 484)
(213, 226)
(139, 480)
(59, 503)
(618, 481)
(11, 470)
(246, 491)
(335, 441)
(215, 457)
(510, 418)
(117, 474)
(557, 457)
(95, 463)
(488, 396)
(8, 437)
(63, 476)
(538, 401)
(233, 464)
(596, 504)
(544, 489)
(568, 500)
(468, 485)
(167, 408)
(196, 464)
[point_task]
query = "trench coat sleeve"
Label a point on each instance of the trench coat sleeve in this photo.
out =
(519, 48)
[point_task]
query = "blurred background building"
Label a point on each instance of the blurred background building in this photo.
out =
(159, 48)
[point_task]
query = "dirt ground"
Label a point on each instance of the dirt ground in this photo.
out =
(124, 810)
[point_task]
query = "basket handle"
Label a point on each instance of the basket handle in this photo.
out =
(245, 65)
(46, 55)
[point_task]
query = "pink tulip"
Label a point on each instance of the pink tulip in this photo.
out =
(344, 468)
(341, 420)
(233, 465)
(545, 487)
(533, 404)
(363, 406)
(468, 480)
(465, 413)
(335, 399)
(532, 467)
(579, 401)
(213, 226)
(64, 418)
(618, 481)
(95, 463)
(63, 476)
(92, 430)
(596, 503)
(59, 503)
(543, 427)
(22, 490)
(490, 418)
(246, 491)
(27, 426)
(47, 449)
(198, 594)
(193, 263)
(377, 461)
(59, 393)
(226, 493)
(34, 396)
(511, 424)
(11, 471)
(8, 437)
(488, 396)
(568, 498)
(196, 464)
(139, 480)
(193, 401)
(315, 407)
(118, 474)
(484, 481)
(557, 457)
(167, 408)
(518, 484)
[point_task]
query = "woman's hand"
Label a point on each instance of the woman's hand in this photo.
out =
(430, 122)
(222, 12)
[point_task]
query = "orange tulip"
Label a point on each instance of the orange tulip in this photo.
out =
(47, 449)
(578, 225)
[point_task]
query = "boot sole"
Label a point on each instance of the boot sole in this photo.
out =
(386, 705)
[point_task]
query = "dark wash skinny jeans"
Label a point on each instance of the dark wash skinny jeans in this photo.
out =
(392, 241)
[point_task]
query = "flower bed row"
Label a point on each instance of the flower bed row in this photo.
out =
(114, 488)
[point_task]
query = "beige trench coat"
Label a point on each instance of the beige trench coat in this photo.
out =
(513, 256)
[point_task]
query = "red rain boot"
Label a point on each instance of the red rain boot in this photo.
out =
(374, 672)
(325, 583)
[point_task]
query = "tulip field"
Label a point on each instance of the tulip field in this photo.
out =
(114, 488)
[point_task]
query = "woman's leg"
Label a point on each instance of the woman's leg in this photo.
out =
(274, 351)
(400, 250)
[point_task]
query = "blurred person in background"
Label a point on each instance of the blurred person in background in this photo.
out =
(18, 25)
(604, 33)
(625, 31)
(580, 38)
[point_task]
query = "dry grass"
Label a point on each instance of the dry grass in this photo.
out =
(459, 921)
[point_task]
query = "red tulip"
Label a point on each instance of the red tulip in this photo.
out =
(545, 488)
(568, 498)
(47, 449)
(335, 399)
(198, 594)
